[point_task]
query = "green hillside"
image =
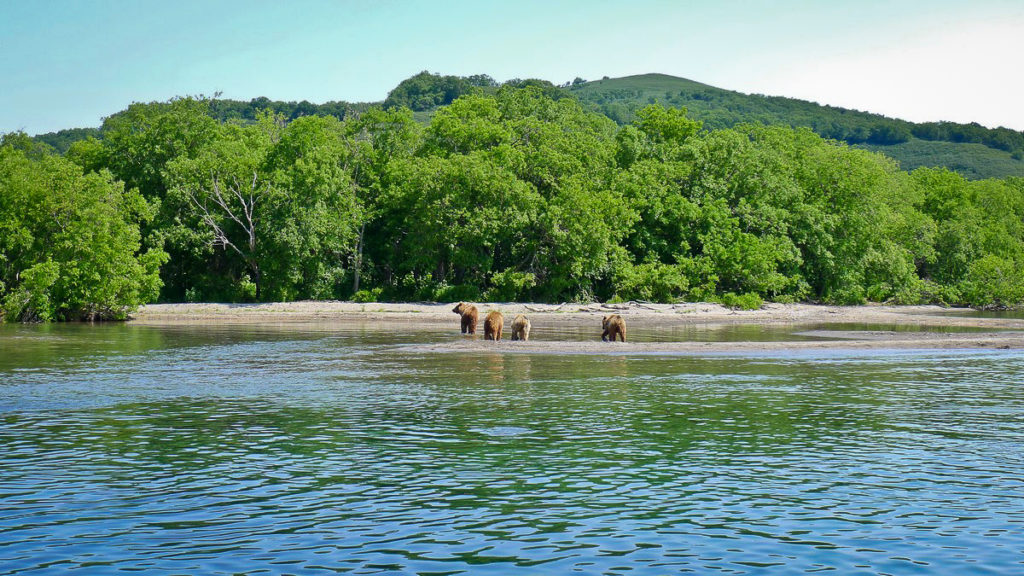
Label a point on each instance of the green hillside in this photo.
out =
(973, 161)
(971, 149)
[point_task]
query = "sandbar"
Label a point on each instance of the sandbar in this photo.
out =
(815, 327)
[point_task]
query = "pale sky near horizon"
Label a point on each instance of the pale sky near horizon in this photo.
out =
(67, 63)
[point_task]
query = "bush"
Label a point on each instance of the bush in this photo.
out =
(457, 293)
(848, 296)
(409, 287)
(71, 245)
(509, 286)
(890, 276)
(994, 282)
(367, 295)
(32, 301)
(941, 294)
(246, 290)
(701, 277)
(748, 301)
(651, 281)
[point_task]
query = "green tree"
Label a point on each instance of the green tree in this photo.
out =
(374, 141)
(141, 140)
(565, 155)
(314, 227)
(462, 218)
(70, 242)
(274, 201)
(516, 191)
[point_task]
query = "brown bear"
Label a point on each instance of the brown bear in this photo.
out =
(469, 317)
(613, 325)
(492, 325)
(521, 328)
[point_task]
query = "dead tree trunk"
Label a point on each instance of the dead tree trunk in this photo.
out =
(359, 259)
(242, 214)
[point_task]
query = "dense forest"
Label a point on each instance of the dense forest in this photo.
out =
(971, 150)
(512, 192)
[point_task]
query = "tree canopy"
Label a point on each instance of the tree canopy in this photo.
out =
(70, 242)
(507, 194)
(972, 150)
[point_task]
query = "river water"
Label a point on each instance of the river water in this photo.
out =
(319, 449)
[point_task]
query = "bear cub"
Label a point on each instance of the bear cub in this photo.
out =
(521, 328)
(469, 317)
(492, 325)
(613, 326)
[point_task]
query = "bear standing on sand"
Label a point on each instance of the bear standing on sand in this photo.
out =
(469, 317)
(492, 325)
(521, 328)
(613, 325)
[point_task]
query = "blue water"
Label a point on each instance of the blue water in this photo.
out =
(245, 450)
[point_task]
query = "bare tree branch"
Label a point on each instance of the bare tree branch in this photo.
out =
(219, 237)
(243, 215)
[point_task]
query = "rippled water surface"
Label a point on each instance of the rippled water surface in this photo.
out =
(312, 450)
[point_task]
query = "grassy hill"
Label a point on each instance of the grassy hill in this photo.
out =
(973, 150)
(973, 161)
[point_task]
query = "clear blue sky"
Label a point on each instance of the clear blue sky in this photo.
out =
(69, 63)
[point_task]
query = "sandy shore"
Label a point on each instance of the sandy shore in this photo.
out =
(912, 326)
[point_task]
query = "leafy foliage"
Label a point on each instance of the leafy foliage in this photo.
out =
(275, 199)
(972, 149)
(70, 242)
(61, 140)
(749, 301)
(509, 193)
(426, 91)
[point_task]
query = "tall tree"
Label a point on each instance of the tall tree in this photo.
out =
(70, 246)
(375, 141)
